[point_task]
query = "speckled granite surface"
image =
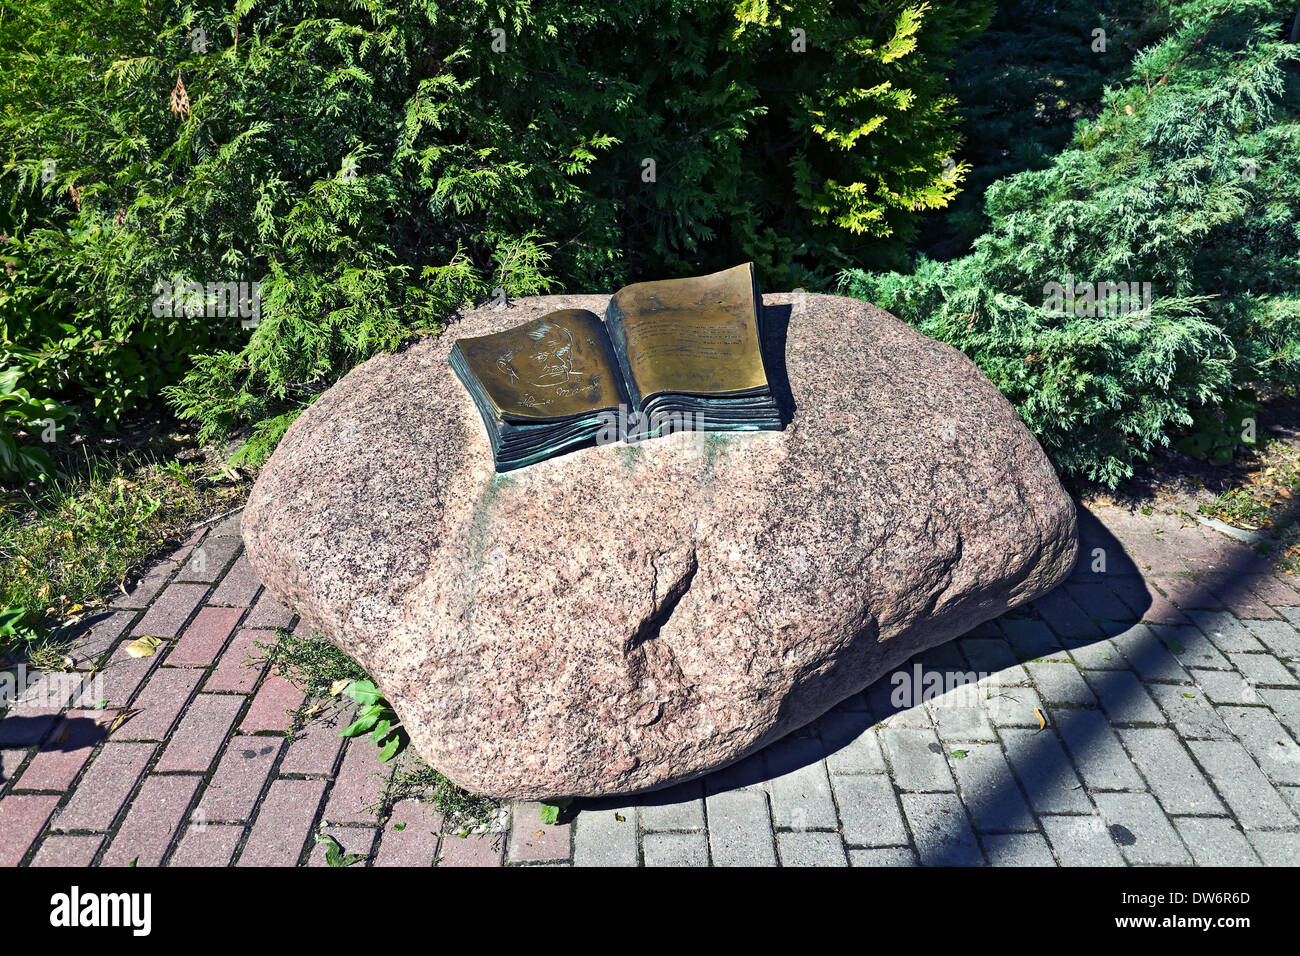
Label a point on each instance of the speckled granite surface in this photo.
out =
(622, 618)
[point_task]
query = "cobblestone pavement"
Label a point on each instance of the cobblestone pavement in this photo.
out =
(1146, 712)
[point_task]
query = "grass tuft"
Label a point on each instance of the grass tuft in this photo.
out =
(317, 666)
(67, 548)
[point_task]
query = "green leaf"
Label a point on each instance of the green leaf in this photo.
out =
(334, 855)
(391, 748)
(363, 692)
(360, 726)
(551, 811)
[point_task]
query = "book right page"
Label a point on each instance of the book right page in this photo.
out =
(696, 336)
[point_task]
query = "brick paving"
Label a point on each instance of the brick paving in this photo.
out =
(1144, 713)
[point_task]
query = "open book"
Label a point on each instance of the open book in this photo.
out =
(681, 354)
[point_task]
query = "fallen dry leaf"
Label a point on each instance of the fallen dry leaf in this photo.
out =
(339, 686)
(1041, 721)
(144, 647)
(121, 718)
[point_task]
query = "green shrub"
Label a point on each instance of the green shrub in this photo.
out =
(1189, 180)
(1041, 66)
(24, 420)
(373, 165)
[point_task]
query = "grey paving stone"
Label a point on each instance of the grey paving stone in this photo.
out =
(1189, 712)
(1190, 647)
(1224, 630)
(869, 814)
(985, 629)
(801, 796)
(1263, 669)
(994, 656)
(1170, 771)
(1225, 687)
(960, 718)
(850, 744)
(946, 657)
(749, 773)
(1031, 639)
(1041, 765)
(1123, 698)
(675, 849)
(881, 696)
(1081, 841)
(916, 758)
(91, 646)
(1018, 849)
(1101, 761)
(1098, 600)
(268, 613)
(1152, 660)
(1140, 828)
(1250, 796)
(1215, 841)
(811, 849)
(147, 587)
(740, 829)
(942, 834)
(1285, 705)
(1276, 848)
(890, 856)
(1064, 615)
(1292, 796)
(677, 808)
(989, 790)
(1267, 740)
(600, 838)
(1280, 637)
(227, 527)
(1098, 654)
(168, 614)
(1013, 706)
(209, 559)
(238, 587)
(1060, 683)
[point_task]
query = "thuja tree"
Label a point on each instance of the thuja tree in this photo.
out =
(1187, 185)
(371, 165)
(1039, 68)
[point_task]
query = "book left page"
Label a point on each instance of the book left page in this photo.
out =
(558, 366)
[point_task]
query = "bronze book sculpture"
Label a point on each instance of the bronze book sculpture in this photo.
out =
(680, 354)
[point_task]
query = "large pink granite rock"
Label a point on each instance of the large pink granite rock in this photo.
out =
(626, 617)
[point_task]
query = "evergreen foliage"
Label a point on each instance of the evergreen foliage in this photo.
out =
(1041, 66)
(1189, 179)
(375, 164)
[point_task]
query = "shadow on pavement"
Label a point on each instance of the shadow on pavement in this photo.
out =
(1117, 605)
